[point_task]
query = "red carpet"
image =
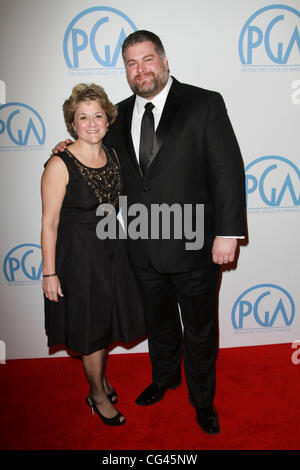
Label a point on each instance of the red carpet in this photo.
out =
(42, 405)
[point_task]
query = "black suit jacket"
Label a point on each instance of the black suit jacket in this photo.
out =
(196, 160)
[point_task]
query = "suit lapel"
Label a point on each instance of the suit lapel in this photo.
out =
(168, 116)
(128, 136)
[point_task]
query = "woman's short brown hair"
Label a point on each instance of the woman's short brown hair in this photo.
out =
(87, 92)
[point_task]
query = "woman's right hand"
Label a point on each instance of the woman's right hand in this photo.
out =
(52, 288)
(60, 147)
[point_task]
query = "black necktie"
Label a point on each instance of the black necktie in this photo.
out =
(147, 136)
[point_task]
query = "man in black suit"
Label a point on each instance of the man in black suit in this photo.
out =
(195, 159)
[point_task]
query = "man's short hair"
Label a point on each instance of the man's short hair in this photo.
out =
(142, 36)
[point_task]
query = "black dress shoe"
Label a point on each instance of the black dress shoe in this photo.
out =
(153, 394)
(207, 419)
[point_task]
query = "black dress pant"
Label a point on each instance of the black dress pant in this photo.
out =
(196, 293)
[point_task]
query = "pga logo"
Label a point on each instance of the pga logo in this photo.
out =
(94, 38)
(21, 126)
(271, 37)
(263, 306)
(272, 181)
(23, 264)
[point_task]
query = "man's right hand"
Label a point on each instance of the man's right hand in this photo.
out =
(60, 147)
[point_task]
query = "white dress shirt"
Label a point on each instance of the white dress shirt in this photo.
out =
(139, 107)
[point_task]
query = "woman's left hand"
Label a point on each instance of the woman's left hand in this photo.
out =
(52, 288)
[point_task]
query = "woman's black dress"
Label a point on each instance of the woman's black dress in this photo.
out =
(101, 304)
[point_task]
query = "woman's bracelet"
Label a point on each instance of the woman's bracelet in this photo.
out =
(49, 275)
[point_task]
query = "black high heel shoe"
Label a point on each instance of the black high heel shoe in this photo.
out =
(115, 421)
(113, 397)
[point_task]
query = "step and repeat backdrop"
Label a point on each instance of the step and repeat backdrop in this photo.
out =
(247, 50)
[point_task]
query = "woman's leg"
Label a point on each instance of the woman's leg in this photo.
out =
(94, 367)
(113, 397)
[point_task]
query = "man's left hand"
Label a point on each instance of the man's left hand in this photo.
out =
(223, 250)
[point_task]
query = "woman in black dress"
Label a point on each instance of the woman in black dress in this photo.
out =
(91, 299)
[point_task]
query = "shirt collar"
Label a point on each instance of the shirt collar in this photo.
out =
(158, 101)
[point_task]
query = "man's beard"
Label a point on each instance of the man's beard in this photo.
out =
(157, 84)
